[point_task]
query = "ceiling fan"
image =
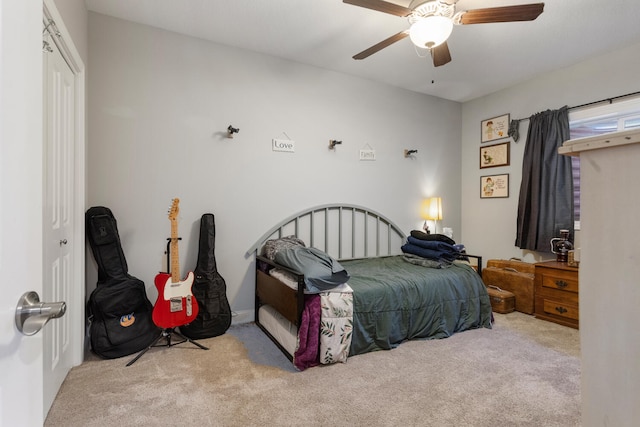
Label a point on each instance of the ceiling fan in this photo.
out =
(432, 22)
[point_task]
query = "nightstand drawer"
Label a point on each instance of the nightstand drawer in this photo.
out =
(555, 308)
(557, 295)
(561, 281)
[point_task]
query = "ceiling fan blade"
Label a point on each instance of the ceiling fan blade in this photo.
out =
(524, 12)
(384, 43)
(381, 6)
(440, 55)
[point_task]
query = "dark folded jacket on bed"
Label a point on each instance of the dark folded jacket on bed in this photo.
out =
(434, 245)
(428, 253)
(431, 249)
(438, 237)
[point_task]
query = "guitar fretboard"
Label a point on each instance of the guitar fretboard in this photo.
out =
(173, 245)
(175, 256)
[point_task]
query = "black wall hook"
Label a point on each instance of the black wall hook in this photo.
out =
(333, 143)
(231, 130)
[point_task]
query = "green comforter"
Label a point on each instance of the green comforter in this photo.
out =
(395, 301)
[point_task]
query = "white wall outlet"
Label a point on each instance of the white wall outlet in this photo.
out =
(286, 145)
(367, 154)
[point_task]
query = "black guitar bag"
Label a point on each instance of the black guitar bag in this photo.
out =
(118, 309)
(209, 288)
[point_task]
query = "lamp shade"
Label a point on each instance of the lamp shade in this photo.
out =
(431, 31)
(432, 209)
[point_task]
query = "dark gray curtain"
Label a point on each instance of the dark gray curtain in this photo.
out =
(546, 192)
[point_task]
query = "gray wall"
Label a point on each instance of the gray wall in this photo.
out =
(490, 224)
(159, 106)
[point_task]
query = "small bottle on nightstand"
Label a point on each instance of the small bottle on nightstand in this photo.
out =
(561, 246)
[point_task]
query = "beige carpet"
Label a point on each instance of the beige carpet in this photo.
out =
(523, 372)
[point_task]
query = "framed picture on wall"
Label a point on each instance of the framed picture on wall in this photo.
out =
(494, 155)
(494, 128)
(494, 186)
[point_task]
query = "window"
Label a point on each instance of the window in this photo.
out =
(596, 120)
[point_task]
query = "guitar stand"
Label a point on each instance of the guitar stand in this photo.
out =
(166, 334)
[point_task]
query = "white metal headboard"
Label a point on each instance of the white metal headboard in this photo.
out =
(342, 231)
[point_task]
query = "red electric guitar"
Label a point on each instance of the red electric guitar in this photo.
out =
(176, 305)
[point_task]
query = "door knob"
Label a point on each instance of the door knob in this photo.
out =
(32, 315)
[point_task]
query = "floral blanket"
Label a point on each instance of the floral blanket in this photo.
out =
(324, 335)
(325, 331)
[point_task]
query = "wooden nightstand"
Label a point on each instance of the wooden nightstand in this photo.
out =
(556, 293)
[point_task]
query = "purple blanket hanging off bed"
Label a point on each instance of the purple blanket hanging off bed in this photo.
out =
(307, 353)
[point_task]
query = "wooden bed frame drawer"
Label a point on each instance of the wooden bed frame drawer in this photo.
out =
(275, 293)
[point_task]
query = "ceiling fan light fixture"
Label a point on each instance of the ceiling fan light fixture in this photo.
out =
(431, 31)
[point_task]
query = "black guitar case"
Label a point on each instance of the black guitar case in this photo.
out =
(209, 288)
(118, 309)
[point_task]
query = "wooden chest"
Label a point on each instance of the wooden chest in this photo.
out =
(557, 293)
(517, 277)
(501, 301)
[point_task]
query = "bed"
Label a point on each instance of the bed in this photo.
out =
(392, 300)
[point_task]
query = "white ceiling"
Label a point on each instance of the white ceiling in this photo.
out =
(327, 33)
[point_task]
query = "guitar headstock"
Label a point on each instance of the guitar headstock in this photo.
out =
(174, 210)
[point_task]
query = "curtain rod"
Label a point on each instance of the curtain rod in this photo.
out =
(609, 100)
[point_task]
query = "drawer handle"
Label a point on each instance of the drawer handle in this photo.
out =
(561, 310)
(561, 284)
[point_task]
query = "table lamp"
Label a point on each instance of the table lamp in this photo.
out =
(432, 211)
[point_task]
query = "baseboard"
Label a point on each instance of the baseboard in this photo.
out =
(242, 316)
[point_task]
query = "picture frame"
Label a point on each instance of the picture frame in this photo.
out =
(492, 156)
(494, 186)
(494, 128)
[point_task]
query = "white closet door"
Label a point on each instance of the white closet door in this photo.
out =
(58, 242)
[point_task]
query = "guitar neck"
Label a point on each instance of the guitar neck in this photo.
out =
(175, 256)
